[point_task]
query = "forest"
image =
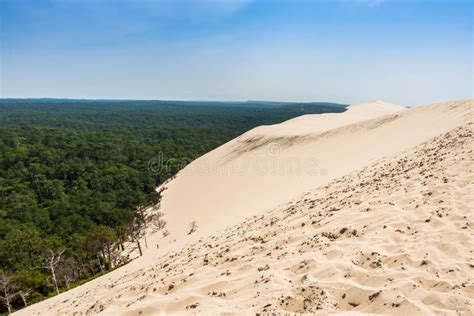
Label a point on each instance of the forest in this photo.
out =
(77, 176)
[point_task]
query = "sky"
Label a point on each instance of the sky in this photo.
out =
(406, 52)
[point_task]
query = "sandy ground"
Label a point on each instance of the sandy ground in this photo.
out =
(385, 225)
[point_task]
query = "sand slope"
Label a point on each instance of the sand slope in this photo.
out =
(391, 233)
(393, 238)
(269, 165)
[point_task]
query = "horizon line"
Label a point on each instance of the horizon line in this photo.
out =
(168, 99)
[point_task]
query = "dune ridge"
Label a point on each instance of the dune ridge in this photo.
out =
(387, 230)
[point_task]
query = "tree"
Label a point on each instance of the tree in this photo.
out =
(68, 271)
(52, 261)
(157, 221)
(27, 280)
(8, 290)
(136, 227)
(24, 294)
(139, 222)
(101, 241)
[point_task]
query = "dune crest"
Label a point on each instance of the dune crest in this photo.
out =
(318, 123)
(381, 223)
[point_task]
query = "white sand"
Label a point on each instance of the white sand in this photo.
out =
(263, 168)
(396, 220)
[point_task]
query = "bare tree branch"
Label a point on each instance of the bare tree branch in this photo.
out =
(8, 290)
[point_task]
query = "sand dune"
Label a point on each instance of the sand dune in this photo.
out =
(269, 165)
(372, 213)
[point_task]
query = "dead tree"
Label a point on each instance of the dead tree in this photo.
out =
(136, 228)
(24, 294)
(158, 221)
(67, 280)
(67, 271)
(8, 290)
(52, 262)
(141, 221)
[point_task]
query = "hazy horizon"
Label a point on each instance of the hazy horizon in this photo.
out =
(404, 52)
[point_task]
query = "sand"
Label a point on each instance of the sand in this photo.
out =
(264, 168)
(381, 223)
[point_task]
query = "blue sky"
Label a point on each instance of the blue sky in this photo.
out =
(405, 52)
